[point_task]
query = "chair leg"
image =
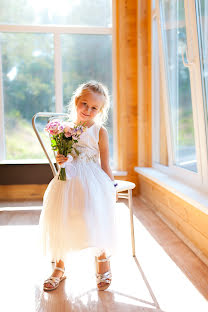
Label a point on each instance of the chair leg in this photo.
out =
(132, 221)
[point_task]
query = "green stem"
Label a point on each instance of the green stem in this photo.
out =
(62, 175)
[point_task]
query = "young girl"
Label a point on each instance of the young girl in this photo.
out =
(80, 212)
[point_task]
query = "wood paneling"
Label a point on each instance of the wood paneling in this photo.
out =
(22, 192)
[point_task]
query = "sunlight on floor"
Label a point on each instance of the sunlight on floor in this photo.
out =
(137, 285)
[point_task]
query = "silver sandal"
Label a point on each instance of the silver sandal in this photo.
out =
(103, 277)
(54, 280)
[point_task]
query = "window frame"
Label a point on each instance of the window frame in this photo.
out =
(197, 180)
(155, 93)
(57, 31)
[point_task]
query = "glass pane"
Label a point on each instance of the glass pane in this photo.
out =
(62, 12)
(86, 57)
(163, 131)
(160, 143)
(202, 21)
(28, 88)
(178, 78)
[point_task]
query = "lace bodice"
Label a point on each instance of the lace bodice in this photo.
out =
(88, 145)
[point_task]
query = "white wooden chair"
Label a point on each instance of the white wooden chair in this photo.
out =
(124, 188)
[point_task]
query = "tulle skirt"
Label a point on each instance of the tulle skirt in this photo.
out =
(78, 213)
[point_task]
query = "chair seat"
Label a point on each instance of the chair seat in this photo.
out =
(124, 185)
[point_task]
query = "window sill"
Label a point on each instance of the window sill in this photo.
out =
(192, 196)
(24, 162)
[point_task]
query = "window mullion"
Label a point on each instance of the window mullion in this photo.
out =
(58, 73)
(114, 84)
(93, 30)
(155, 93)
(196, 89)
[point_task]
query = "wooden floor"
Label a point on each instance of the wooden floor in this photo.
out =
(165, 275)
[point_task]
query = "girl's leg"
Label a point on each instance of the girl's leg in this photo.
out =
(103, 267)
(56, 273)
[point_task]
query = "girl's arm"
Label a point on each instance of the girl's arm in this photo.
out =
(104, 151)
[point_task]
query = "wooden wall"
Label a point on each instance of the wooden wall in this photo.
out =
(22, 192)
(126, 77)
(144, 84)
(187, 221)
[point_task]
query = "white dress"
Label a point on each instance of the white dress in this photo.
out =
(80, 212)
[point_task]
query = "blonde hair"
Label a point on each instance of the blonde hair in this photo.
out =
(96, 87)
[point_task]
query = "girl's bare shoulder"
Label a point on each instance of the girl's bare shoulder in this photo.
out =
(103, 131)
(103, 136)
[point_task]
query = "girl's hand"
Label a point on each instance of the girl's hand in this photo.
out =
(61, 158)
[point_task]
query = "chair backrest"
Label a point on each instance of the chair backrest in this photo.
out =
(50, 116)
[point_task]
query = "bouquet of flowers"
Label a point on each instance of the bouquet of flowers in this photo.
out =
(63, 137)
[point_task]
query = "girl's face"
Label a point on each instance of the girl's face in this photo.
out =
(88, 106)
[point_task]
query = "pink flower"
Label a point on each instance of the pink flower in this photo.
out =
(67, 130)
(54, 127)
(68, 134)
(60, 129)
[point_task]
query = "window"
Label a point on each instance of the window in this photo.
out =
(47, 50)
(178, 82)
(180, 104)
